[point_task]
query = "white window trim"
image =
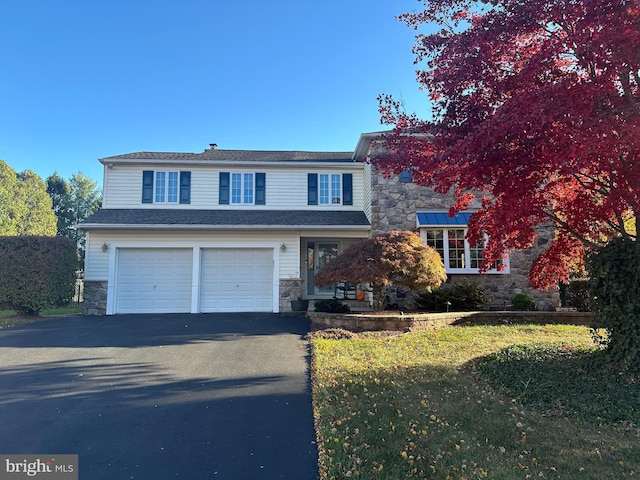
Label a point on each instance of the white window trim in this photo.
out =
(331, 195)
(467, 251)
(166, 186)
(242, 188)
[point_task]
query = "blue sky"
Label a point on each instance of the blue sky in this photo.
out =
(82, 80)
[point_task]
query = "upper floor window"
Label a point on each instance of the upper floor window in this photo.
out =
(448, 237)
(166, 187)
(242, 188)
(330, 189)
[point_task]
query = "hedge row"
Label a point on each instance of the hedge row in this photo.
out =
(36, 273)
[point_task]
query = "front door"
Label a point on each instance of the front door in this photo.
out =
(318, 255)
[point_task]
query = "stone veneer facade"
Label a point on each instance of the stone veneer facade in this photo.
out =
(94, 298)
(290, 289)
(394, 206)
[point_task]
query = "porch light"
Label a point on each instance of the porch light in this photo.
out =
(283, 247)
(105, 247)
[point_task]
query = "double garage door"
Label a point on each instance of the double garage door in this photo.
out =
(162, 280)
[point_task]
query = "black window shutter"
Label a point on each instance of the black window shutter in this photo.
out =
(223, 197)
(147, 186)
(312, 189)
(347, 189)
(185, 187)
(261, 188)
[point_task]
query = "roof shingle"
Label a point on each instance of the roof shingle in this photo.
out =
(213, 219)
(238, 156)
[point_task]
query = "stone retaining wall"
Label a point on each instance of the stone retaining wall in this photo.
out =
(429, 321)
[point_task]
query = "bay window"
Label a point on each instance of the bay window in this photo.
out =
(447, 236)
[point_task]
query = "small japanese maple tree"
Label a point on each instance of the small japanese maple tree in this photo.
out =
(535, 116)
(394, 257)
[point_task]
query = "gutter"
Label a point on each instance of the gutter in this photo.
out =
(123, 226)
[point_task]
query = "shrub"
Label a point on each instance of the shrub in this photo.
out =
(331, 306)
(394, 257)
(522, 301)
(463, 297)
(579, 295)
(36, 272)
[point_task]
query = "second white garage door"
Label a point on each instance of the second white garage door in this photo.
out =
(236, 280)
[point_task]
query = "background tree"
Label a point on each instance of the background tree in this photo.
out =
(73, 201)
(535, 104)
(34, 205)
(394, 257)
(25, 207)
(8, 187)
(59, 191)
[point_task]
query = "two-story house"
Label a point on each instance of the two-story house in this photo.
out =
(221, 230)
(239, 230)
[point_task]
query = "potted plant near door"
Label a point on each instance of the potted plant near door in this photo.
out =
(299, 305)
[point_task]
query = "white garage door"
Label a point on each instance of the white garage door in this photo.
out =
(153, 280)
(236, 280)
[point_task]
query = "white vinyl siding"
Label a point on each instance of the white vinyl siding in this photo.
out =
(367, 194)
(97, 266)
(286, 187)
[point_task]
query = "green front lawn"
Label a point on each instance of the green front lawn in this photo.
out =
(453, 404)
(9, 318)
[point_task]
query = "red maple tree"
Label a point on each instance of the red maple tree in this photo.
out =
(535, 115)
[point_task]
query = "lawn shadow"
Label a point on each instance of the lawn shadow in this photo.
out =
(563, 381)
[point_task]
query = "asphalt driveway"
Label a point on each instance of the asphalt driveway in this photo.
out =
(208, 396)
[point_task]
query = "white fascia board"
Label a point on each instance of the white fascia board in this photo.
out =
(364, 144)
(111, 226)
(218, 163)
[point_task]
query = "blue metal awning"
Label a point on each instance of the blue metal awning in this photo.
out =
(442, 219)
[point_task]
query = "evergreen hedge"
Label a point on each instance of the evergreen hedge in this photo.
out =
(462, 297)
(36, 273)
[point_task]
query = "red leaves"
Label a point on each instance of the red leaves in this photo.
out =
(391, 257)
(536, 103)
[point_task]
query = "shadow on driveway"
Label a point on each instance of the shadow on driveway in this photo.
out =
(149, 330)
(162, 396)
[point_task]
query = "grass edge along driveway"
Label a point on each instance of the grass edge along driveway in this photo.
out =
(414, 406)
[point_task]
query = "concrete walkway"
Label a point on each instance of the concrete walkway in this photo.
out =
(208, 396)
